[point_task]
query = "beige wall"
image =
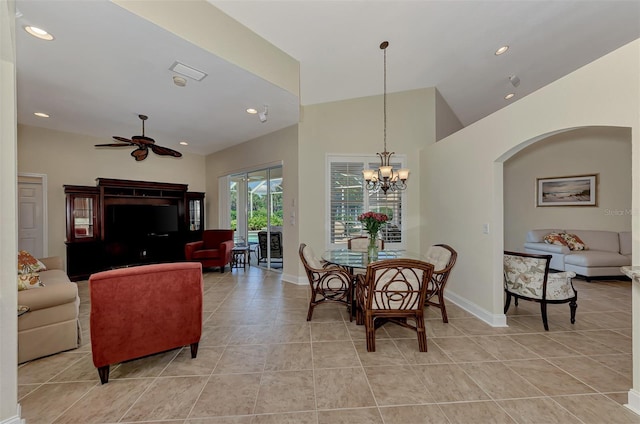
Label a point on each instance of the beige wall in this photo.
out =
(446, 121)
(594, 150)
(68, 158)
(462, 175)
(9, 409)
(355, 126)
(277, 147)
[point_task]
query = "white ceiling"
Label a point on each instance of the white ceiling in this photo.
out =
(106, 65)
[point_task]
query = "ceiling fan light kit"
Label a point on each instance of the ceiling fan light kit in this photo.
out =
(142, 144)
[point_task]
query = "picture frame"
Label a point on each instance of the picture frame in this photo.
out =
(575, 190)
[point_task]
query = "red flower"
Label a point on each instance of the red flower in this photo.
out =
(372, 221)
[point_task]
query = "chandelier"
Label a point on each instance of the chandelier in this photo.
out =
(385, 178)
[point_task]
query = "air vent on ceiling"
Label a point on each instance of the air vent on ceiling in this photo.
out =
(187, 71)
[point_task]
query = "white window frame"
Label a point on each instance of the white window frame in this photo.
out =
(367, 160)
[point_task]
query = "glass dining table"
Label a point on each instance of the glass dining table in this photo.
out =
(353, 259)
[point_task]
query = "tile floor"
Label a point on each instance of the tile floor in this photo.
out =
(261, 362)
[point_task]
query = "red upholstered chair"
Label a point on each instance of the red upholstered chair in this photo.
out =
(143, 310)
(213, 250)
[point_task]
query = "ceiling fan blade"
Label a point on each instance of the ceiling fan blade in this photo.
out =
(114, 145)
(140, 153)
(124, 140)
(165, 151)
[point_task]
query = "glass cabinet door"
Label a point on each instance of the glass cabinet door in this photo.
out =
(83, 217)
(82, 214)
(195, 211)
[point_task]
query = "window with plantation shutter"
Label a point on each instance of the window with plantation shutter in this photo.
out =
(348, 198)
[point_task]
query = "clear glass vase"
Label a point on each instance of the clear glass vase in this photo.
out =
(372, 249)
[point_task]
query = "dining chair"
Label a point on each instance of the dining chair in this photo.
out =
(393, 290)
(526, 276)
(443, 257)
(329, 283)
(361, 243)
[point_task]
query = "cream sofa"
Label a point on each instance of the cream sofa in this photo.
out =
(606, 252)
(51, 325)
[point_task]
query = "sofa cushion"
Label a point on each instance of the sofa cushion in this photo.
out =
(573, 241)
(556, 238)
(29, 281)
(53, 276)
(27, 264)
(599, 240)
(537, 236)
(206, 254)
(625, 242)
(594, 258)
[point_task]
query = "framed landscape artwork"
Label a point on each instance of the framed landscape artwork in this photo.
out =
(577, 190)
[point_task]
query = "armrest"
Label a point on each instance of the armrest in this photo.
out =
(189, 248)
(46, 297)
(53, 262)
(225, 248)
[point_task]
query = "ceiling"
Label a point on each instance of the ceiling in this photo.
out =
(107, 65)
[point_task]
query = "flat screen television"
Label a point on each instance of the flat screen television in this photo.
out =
(126, 221)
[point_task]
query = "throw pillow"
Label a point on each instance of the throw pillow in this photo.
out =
(27, 264)
(555, 238)
(29, 281)
(574, 242)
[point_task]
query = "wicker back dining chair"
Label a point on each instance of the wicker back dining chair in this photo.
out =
(393, 290)
(443, 257)
(526, 276)
(329, 283)
(361, 243)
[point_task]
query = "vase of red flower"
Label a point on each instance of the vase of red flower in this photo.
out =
(372, 222)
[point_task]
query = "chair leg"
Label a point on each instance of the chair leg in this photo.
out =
(543, 309)
(371, 333)
(573, 305)
(359, 317)
(422, 334)
(310, 311)
(516, 302)
(443, 310)
(103, 372)
(194, 350)
(507, 302)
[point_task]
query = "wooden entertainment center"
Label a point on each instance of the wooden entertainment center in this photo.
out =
(125, 222)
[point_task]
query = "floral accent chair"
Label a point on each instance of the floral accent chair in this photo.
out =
(526, 276)
(329, 283)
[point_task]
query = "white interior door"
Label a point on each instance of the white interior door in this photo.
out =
(32, 215)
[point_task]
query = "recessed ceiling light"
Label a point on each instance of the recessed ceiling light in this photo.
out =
(509, 96)
(252, 111)
(501, 50)
(184, 143)
(41, 114)
(179, 81)
(38, 33)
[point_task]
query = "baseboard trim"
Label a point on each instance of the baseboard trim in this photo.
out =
(634, 401)
(494, 320)
(293, 279)
(15, 419)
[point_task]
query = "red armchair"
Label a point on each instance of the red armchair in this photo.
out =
(213, 250)
(142, 310)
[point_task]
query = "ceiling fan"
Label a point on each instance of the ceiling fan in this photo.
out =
(143, 145)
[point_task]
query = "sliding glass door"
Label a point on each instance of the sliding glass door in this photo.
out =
(256, 214)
